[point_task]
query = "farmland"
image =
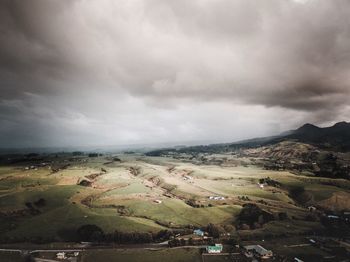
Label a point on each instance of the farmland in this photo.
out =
(143, 194)
(171, 255)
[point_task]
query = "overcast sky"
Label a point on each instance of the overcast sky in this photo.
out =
(109, 72)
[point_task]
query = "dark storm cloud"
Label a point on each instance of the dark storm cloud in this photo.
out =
(70, 70)
(291, 55)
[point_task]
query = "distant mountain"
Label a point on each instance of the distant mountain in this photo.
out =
(334, 137)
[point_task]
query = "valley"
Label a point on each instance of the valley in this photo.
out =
(179, 197)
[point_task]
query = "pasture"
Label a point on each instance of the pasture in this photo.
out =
(150, 255)
(143, 194)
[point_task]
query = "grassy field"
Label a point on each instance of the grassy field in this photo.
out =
(144, 194)
(280, 229)
(292, 247)
(175, 211)
(221, 258)
(11, 257)
(136, 255)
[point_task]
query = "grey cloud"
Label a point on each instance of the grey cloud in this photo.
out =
(76, 63)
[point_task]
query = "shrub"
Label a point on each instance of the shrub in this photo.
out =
(90, 233)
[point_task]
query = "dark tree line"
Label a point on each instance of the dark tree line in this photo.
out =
(93, 233)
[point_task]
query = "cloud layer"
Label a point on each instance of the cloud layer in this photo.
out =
(118, 72)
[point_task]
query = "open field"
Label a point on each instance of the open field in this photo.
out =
(171, 255)
(145, 194)
(11, 257)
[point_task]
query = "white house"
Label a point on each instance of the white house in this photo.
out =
(61, 255)
(217, 248)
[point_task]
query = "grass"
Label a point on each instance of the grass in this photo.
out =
(321, 192)
(176, 212)
(16, 183)
(61, 223)
(60, 215)
(118, 187)
(55, 196)
(306, 253)
(133, 188)
(221, 258)
(136, 255)
(11, 257)
(281, 228)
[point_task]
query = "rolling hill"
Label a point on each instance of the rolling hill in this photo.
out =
(324, 152)
(333, 138)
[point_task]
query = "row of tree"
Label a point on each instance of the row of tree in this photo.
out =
(93, 233)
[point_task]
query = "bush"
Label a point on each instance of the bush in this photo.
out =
(215, 230)
(91, 233)
(40, 202)
(77, 153)
(252, 213)
(296, 191)
(244, 227)
(93, 155)
(282, 216)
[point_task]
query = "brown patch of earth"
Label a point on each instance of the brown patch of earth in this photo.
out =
(338, 201)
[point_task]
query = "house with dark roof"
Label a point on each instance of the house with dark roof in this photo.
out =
(258, 251)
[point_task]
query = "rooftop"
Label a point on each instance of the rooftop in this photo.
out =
(258, 249)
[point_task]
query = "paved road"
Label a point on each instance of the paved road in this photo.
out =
(24, 251)
(10, 250)
(100, 248)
